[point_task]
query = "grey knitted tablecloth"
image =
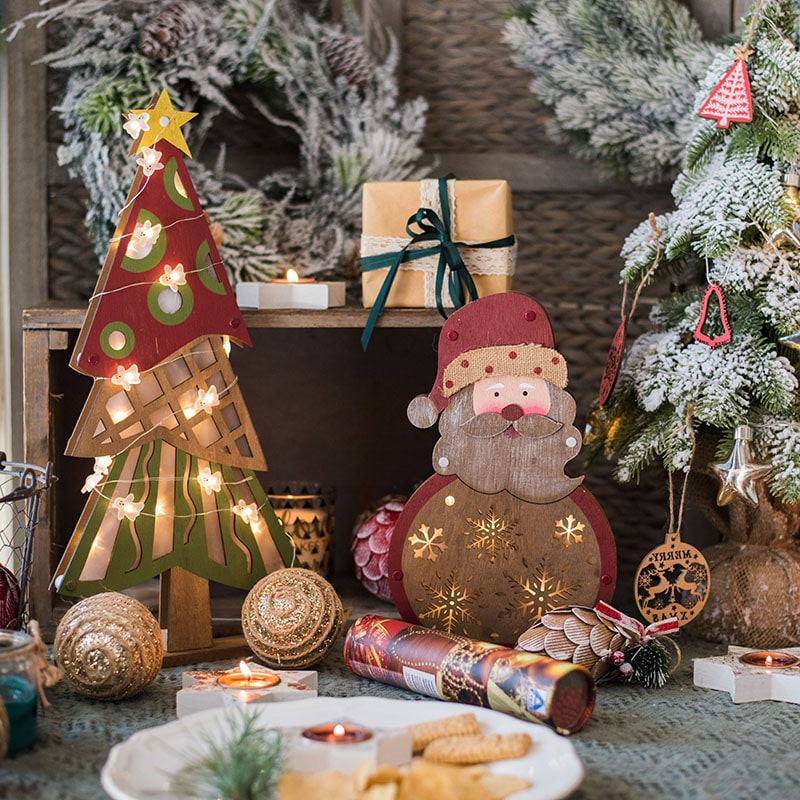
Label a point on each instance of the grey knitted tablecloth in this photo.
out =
(677, 742)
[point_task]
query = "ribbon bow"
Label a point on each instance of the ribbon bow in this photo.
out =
(634, 629)
(431, 229)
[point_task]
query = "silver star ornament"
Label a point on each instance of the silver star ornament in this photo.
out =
(738, 473)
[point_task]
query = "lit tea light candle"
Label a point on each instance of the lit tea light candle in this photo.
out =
(338, 733)
(292, 276)
(244, 685)
(751, 675)
(769, 659)
(244, 678)
(291, 291)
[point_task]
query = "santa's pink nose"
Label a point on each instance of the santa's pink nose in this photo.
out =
(511, 412)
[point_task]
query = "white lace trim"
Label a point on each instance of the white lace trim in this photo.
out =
(479, 261)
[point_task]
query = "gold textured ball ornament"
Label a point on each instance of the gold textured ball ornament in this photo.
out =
(109, 646)
(291, 618)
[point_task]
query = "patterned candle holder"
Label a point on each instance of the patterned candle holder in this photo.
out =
(307, 513)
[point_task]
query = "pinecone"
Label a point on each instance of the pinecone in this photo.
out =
(576, 634)
(347, 57)
(372, 536)
(166, 32)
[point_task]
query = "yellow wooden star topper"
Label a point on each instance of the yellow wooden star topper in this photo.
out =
(162, 122)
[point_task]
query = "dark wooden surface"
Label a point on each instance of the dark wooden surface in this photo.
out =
(325, 412)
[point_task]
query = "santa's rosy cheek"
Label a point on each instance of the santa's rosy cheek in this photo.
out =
(532, 408)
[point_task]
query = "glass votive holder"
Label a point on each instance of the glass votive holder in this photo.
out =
(306, 511)
(19, 672)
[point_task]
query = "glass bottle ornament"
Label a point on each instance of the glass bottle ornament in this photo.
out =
(19, 682)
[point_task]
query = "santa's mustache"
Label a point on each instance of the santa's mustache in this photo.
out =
(489, 424)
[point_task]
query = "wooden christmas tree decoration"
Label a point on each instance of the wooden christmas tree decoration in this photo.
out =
(730, 100)
(500, 535)
(173, 492)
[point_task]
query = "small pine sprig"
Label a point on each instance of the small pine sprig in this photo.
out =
(650, 664)
(244, 765)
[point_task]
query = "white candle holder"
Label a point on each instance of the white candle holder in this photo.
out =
(318, 749)
(750, 675)
(301, 294)
(203, 690)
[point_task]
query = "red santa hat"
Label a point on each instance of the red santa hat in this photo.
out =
(502, 334)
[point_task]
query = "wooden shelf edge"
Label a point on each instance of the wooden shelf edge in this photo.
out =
(49, 316)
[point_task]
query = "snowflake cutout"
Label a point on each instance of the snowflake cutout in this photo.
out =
(449, 606)
(491, 534)
(538, 593)
(569, 530)
(428, 542)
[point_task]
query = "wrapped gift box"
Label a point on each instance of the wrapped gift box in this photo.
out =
(480, 213)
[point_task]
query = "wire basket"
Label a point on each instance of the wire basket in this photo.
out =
(21, 488)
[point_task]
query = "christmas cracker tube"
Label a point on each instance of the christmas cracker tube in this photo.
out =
(452, 667)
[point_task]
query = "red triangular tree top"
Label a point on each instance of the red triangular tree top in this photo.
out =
(134, 318)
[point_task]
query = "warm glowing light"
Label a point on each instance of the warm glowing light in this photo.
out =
(449, 500)
(206, 400)
(768, 661)
(245, 670)
(143, 238)
(90, 484)
(127, 507)
(126, 377)
(150, 161)
(118, 414)
(173, 277)
(102, 464)
(292, 276)
(210, 481)
(226, 345)
(249, 513)
(136, 123)
(160, 510)
(338, 730)
(117, 340)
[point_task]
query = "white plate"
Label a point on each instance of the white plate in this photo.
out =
(142, 767)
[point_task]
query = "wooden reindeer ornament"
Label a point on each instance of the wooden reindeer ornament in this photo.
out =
(500, 534)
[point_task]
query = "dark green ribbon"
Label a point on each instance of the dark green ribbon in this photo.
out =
(431, 229)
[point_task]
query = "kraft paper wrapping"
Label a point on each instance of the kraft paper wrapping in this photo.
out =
(482, 213)
(451, 667)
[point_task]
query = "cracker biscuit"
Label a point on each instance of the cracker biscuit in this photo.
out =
(478, 749)
(424, 733)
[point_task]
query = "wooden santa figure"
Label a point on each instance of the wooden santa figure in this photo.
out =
(500, 534)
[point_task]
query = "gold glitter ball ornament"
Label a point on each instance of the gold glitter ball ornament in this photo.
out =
(291, 618)
(109, 646)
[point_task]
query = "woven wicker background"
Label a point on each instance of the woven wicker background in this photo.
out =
(453, 56)
(569, 240)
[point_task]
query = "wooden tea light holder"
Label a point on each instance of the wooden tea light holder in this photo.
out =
(242, 686)
(750, 675)
(345, 746)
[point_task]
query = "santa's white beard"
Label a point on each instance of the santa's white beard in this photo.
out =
(528, 461)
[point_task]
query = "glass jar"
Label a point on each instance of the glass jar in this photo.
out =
(19, 673)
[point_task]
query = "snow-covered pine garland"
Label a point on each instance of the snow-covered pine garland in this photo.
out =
(315, 78)
(619, 75)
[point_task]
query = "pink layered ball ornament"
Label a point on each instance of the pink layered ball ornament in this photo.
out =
(370, 547)
(9, 597)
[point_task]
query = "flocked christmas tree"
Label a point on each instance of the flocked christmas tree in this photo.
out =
(719, 352)
(173, 484)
